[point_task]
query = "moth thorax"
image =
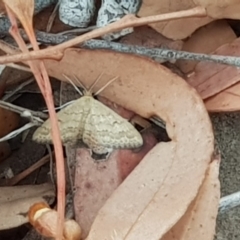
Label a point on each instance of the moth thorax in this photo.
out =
(88, 93)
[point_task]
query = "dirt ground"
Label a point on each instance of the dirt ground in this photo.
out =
(227, 129)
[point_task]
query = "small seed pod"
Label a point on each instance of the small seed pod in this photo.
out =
(72, 230)
(45, 220)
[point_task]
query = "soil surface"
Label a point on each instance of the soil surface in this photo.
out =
(227, 129)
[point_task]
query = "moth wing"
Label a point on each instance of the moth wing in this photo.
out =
(105, 129)
(71, 122)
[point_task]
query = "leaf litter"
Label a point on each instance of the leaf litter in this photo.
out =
(117, 198)
(132, 84)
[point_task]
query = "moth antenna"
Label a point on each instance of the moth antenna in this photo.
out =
(81, 84)
(102, 88)
(96, 81)
(75, 87)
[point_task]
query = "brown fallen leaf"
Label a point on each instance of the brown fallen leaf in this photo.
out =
(148, 37)
(225, 101)
(5, 150)
(8, 121)
(182, 28)
(116, 108)
(199, 221)
(15, 202)
(14, 77)
(2, 9)
(221, 8)
(96, 181)
(175, 29)
(176, 168)
(206, 40)
(128, 160)
(211, 78)
(41, 21)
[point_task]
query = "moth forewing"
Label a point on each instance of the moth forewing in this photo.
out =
(97, 125)
(71, 121)
(106, 128)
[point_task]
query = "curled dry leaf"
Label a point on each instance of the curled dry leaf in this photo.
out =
(44, 219)
(211, 78)
(199, 221)
(174, 29)
(206, 40)
(15, 202)
(8, 121)
(171, 173)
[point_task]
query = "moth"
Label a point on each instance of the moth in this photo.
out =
(98, 126)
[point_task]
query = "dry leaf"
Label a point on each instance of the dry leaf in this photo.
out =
(205, 40)
(5, 150)
(175, 29)
(228, 100)
(116, 108)
(2, 8)
(221, 8)
(15, 202)
(14, 77)
(171, 173)
(8, 121)
(24, 10)
(128, 160)
(182, 28)
(211, 78)
(199, 221)
(96, 181)
(148, 37)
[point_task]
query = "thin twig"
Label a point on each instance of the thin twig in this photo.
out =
(52, 17)
(77, 30)
(43, 81)
(19, 67)
(56, 52)
(16, 179)
(51, 165)
(162, 53)
(158, 54)
(229, 202)
(19, 87)
(159, 122)
(16, 132)
(35, 115)
(8, 48)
